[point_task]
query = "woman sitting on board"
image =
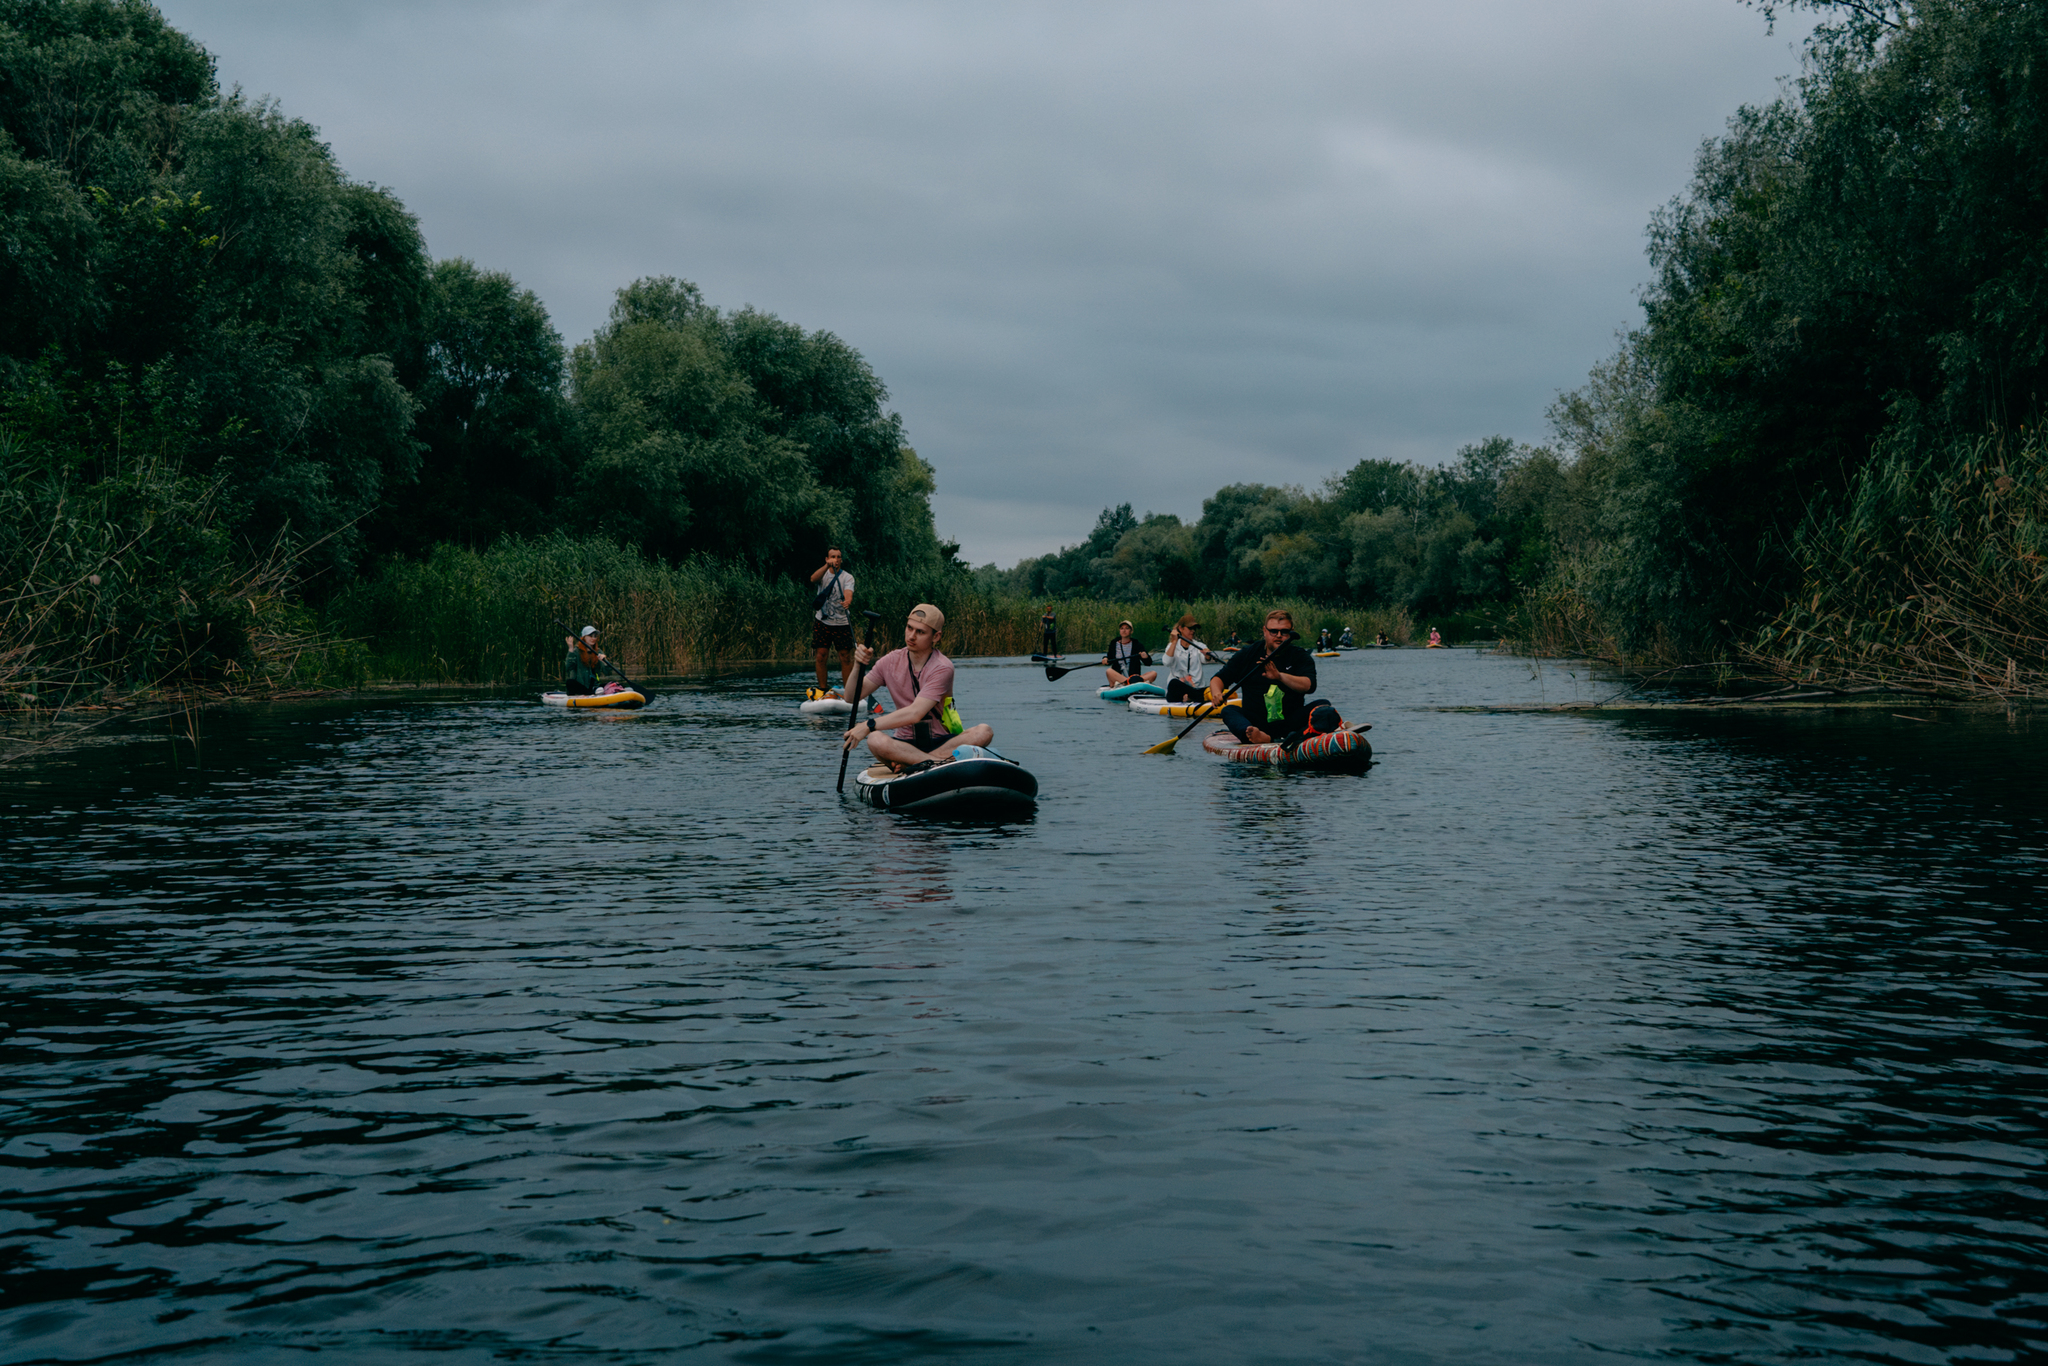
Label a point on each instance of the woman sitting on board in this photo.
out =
(1436, 639)
(1124, 657)
(1184, 659)
(920, 683)
(579, 668)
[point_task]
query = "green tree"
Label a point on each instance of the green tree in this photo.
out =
(498, 453)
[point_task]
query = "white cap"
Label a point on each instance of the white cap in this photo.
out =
(588, 631)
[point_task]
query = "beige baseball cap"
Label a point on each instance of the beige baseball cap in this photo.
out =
(930, 616)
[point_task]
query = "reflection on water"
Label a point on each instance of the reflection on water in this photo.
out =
(469, 1027)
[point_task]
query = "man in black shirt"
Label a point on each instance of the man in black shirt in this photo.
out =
(1276, 681)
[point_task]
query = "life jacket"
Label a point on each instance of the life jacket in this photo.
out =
(921, 733)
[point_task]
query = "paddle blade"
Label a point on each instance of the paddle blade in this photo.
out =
(1165, 746)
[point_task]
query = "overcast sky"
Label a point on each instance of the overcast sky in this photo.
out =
(1099, 252)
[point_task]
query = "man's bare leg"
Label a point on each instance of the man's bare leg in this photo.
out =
(889, 750)
(818, 657)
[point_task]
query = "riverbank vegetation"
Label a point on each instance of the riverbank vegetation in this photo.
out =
(1816, 455)
(255, 436)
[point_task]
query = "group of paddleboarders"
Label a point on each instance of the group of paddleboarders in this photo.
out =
(1275, 682)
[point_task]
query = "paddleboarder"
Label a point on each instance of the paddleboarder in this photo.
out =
(1276, 682)
(1185, 657)
(923, 724)
(1125, 657)
(580, 666)
(831, 622)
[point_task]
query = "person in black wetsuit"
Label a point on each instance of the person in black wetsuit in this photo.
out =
(1276, 682)
(1125, 657)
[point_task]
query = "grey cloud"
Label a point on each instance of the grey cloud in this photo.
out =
(1099, 252)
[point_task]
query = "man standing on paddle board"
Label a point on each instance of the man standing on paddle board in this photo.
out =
(920, 683)
(832, 624)
(1184, 659)
(1276, 681)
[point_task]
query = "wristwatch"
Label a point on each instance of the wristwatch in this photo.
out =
(871, 725)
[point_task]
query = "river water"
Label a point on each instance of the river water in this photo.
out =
(462, 1029)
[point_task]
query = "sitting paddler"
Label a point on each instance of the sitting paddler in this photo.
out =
(1125, 657)
(579, 668)
(1275, 681)
(1231, 642)
(1185, 657)
(924, 724)
(1323, 639)
(1345, 642)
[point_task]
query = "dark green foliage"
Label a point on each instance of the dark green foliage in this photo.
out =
(494, 424)
(741, 437)
(1859, 268)
(208, 255)
(1474, 531)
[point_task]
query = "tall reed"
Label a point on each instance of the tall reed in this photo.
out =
(499, 615)
(127, 583)
(1934, 573)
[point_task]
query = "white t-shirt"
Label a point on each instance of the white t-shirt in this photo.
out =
(1185, 661)
(833, 610)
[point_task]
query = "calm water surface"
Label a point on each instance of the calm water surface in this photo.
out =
(472, 1031)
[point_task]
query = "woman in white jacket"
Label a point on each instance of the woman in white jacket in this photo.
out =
(1185, 657)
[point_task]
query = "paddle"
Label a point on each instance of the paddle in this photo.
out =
(1166, 746)
(644, 692)
(853, 696)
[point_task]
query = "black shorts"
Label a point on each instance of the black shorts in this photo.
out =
(935, 745)
(1180, 690)
(825, 637)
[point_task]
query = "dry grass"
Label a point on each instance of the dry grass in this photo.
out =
(1934, 577)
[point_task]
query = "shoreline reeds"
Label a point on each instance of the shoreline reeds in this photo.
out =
(466, 616)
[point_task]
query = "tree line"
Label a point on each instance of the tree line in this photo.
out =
(227, 368)
(214, 339)
(1818, 449)
(1429, 539)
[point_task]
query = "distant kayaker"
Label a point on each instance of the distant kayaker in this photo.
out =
(832, 624)
(1275, 681)
(1323, 639)
(1231, 642)
(925, 722)
(1185, 657)
(1049, 632)
(1345, 642)
(1125, 657)
(1383, 639)
(580, 667)
(1436, 639)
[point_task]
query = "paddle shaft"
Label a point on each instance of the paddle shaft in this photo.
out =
(853, 696)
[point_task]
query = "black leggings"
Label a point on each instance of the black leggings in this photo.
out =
(1180, 690)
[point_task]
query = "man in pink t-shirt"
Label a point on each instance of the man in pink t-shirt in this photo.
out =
(920, 684)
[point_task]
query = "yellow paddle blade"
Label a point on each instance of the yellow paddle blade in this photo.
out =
(1165, 746)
